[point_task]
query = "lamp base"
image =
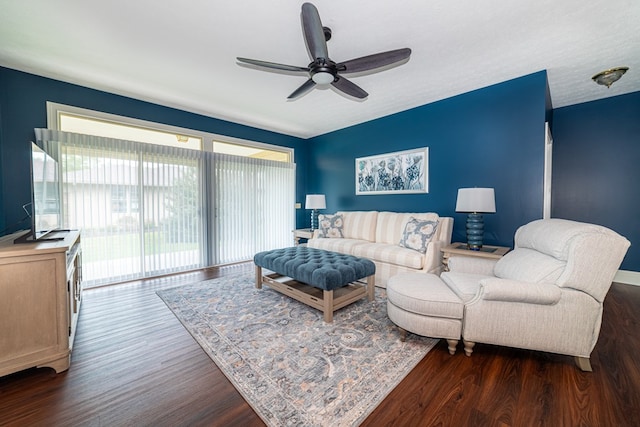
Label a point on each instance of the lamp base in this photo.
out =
(314, 214)
(475, 231)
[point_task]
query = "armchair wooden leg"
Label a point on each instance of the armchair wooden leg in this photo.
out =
(468, 347)
(403, 334)
(583, 363)
(452, 346)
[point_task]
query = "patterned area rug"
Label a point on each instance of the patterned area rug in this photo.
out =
(289, 365)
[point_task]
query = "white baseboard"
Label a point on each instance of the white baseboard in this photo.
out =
(627, 277)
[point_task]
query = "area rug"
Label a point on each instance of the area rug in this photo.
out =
(289, 365)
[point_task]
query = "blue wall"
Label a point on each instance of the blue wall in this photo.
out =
(491, 137)
(596, 173)
(23, 106)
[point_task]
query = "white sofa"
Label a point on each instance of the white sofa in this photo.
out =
(376, 236)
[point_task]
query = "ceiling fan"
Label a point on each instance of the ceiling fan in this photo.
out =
(322, 70)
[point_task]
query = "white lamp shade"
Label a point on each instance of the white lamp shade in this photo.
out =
(315, 201)
(478, 200)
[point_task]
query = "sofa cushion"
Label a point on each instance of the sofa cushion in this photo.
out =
(528, 265)
(390, 254)
(391, 225)
(344, 246)
(330, 226)
(417, 234)
(359, 224)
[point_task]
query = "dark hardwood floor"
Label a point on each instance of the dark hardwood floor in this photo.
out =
(133, 364)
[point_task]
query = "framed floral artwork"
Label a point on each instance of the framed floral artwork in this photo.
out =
(402, 172)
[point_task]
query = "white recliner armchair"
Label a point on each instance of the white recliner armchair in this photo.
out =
(544, 295)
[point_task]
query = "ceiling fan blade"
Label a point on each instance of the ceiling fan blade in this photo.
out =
(371, 62)
(273, 65)
(313, 32)
(306, 87)
(349, 88)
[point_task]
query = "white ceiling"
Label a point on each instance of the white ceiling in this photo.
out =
(182, 53)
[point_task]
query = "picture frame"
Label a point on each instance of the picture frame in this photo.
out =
(400, 172)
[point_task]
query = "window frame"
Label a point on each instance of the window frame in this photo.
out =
(54, 110)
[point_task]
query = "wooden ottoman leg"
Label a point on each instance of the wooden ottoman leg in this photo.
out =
(452, 346)
(258, 277)
(327, 304)
(371, 285)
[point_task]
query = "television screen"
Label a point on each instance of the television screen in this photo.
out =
(45, 187)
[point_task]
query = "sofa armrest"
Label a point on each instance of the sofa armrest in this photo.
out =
(496, 289)
(463, 264)
(433, 257)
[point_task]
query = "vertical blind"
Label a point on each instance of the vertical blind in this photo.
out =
(252, 206)
(147, 209)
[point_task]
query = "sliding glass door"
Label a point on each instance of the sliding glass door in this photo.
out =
(147, 209)
(139, 206)
(253, 201)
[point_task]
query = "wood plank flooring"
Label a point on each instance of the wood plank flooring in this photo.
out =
(133, 364)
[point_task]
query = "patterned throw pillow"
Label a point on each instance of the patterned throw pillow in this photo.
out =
(330, 226)
(417, 234)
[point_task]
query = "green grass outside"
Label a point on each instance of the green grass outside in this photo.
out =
(127, 245)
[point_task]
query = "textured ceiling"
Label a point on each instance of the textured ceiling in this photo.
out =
(182, 53)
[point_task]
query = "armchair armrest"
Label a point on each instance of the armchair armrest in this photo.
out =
(496, 289)
(463, 264)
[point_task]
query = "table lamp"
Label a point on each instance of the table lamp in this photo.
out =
(315, 202)
(475, 201)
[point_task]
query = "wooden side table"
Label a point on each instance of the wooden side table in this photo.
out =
(302, 233)
(460, 249)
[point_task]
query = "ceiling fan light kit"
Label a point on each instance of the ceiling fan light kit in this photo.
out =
(323, 78)
(609, 77)
(322, 70)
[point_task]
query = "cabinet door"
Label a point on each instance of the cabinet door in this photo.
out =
(29, 308)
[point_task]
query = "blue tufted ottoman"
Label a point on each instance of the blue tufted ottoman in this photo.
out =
(321, 279)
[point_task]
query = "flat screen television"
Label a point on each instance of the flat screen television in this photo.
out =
(46, 215)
